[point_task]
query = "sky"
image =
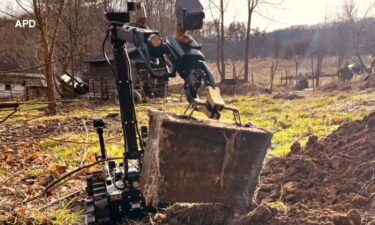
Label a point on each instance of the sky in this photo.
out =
(289, 13)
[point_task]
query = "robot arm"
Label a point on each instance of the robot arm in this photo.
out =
(186, 58)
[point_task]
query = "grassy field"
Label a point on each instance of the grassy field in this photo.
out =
(76, 142)
(290, 120)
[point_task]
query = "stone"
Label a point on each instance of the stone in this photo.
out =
(295, 148)
(355, 216)
(290, 187)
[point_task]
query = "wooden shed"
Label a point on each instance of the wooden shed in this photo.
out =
(22, 86)
(102, 85)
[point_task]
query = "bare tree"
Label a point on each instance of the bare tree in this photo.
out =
(320, 50)
(336, 40)
(48, 15)
(161, 15)
(222, 40)
(297, 61)
(357, 26)
(274, 65)
(252, 5)
(49, 18)
(220, 28)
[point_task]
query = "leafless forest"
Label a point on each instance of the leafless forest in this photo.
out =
(71, 31)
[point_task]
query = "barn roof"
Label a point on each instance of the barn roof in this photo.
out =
(36, 83)
(26, 79)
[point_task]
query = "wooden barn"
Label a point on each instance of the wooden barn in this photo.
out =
(102, 85)
(22, 86)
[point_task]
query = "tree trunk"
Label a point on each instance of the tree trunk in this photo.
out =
(222, 40)
(273, 72)
(318, 70)
(48, 39)
(286, 77)
(247, 46)
(218, 51)
(218, 55)
(312, 72)
(51, 93)
(272, 76)
(339, 62)
(358, 54)
(296, 65)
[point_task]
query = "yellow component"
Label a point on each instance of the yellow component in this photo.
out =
(215, 99)
(213, 105)
(155, 40)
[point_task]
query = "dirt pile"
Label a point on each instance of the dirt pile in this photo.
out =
(198, 214)
(329, 182)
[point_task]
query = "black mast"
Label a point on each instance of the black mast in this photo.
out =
(126, 98)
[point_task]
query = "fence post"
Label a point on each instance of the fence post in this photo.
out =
(286, 77)
(93, 88)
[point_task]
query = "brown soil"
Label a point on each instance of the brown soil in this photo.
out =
(198, 214)
(330, 182)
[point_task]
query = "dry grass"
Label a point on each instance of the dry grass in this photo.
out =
(60, 147)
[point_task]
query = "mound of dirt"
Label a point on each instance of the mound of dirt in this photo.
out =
(329, 182)
(197, 214)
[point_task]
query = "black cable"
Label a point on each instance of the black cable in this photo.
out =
(105, 53)
(135, 116)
